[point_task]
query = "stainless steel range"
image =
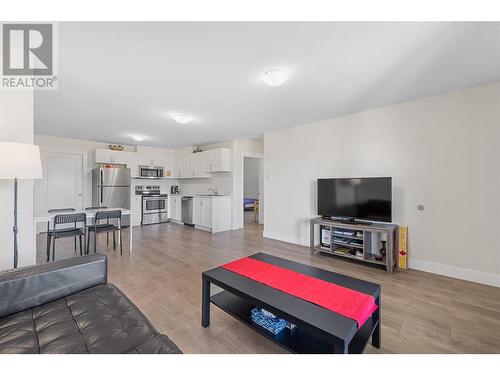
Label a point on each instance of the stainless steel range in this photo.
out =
(154, 204)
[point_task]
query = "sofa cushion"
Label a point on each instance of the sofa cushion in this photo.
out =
(100, 319)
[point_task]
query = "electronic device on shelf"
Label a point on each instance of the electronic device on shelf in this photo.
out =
(355, 200)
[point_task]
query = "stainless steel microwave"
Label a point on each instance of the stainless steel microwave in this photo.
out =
(146, 171)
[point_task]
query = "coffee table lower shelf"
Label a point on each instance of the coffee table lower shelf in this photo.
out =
(300, 340)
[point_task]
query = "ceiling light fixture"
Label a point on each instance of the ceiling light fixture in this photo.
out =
(139, 138)
(181, 118)
(276, 76)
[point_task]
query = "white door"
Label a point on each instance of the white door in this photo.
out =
(62, 185)
(178, 209)
(173, 208)
(198, 211)
(207, 213)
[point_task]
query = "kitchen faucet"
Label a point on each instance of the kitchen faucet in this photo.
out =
(214, 190)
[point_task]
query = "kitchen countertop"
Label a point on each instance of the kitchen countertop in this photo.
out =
(202, 195)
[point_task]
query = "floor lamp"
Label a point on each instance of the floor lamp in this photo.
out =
(19, 161)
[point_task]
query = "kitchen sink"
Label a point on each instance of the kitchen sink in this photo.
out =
(211, 195)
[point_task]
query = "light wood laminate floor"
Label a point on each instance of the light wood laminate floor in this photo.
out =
(421, 313)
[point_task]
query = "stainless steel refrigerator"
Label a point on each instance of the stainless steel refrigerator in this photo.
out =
(111, 188)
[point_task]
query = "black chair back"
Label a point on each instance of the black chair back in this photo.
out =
(74, 231)
(70, 219)
(106, 215)
(54, 210)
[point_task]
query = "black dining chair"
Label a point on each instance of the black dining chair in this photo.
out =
(93, 208)
(100, 227)
(79, 229)
(52, 211)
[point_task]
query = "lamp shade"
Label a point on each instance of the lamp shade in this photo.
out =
(20, 160)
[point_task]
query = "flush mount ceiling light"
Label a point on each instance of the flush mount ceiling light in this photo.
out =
(139, 138)
(181, 118)
(275, 76)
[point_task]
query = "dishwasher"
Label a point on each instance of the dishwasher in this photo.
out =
(187, 210)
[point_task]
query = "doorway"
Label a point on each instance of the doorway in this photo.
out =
(253, 183)
(62, 183)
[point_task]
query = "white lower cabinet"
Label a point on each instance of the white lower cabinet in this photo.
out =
(212, 213)
(175, 210)
(136, 208)
(203, 212)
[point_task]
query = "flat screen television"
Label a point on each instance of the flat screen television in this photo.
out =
(367, 198)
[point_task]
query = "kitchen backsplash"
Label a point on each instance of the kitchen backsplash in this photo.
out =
(164, 184)
(220, 181)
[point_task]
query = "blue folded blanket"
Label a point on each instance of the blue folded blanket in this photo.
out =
(268, 321)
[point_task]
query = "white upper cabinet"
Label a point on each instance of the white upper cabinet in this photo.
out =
(133, 164)
(190, 166)
(182, 166)
(218, 160)
(153, 160)
(134, 159)
(145, 159)
(198, 165)
(201, 164)
(186, 170)
(111, 157)
(178, 160)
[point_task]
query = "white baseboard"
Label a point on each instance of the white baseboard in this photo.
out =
(456, 272)
(286, 238)
(420, 265)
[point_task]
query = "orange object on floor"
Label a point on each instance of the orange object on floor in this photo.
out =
(403, 248)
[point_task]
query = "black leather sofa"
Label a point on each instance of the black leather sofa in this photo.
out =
(68, 307)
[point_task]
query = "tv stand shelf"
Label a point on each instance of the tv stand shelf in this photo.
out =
(360, 242)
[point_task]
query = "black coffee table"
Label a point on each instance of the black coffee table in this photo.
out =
(318, 330)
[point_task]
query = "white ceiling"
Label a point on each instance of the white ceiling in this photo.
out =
(120, 79)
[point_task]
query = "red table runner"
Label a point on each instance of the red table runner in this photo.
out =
(347, 302)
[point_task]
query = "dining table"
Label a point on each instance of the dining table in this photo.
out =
(48, 217)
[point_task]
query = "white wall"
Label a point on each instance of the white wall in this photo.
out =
(16, 125)
(251, 177)
(442, 152)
